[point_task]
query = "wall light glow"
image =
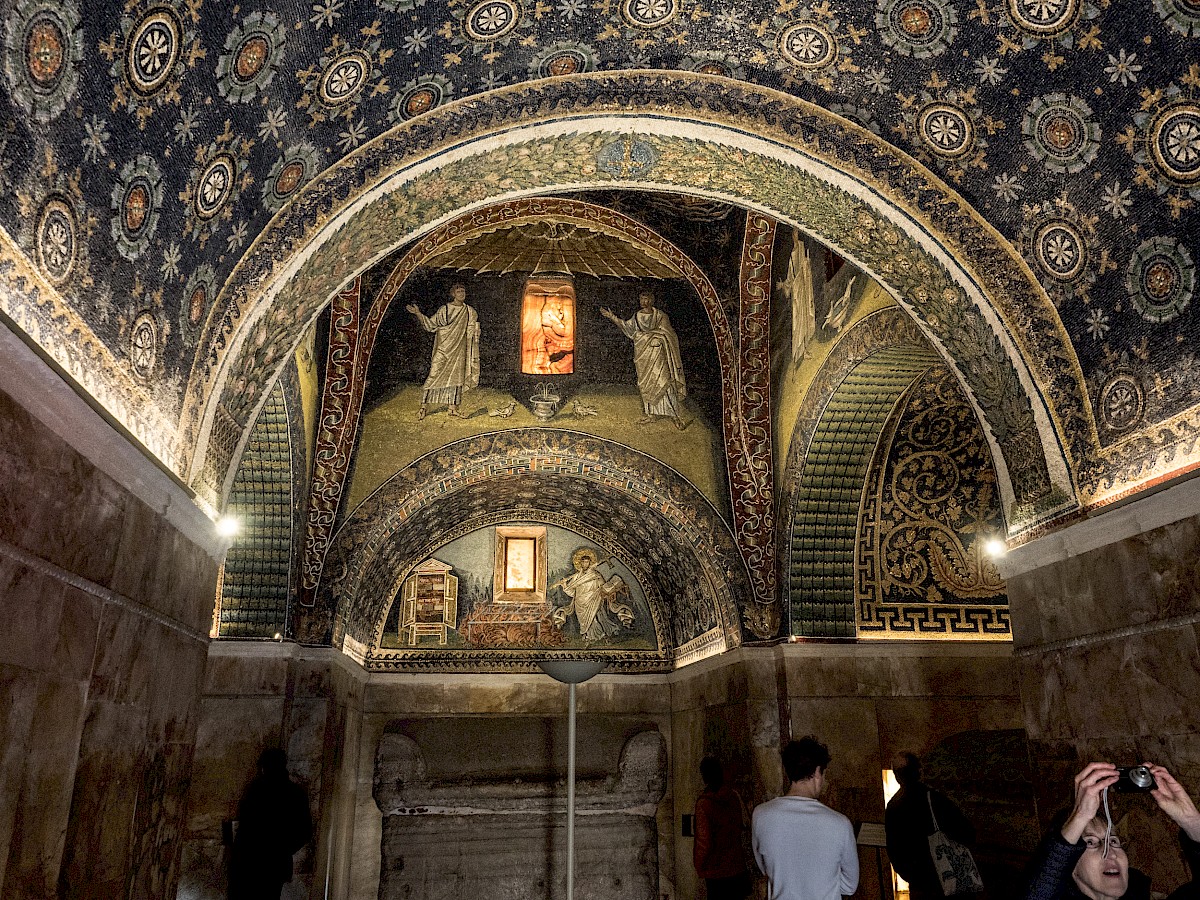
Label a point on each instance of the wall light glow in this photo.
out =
(890, 787)
(995, 548)
(228, 526)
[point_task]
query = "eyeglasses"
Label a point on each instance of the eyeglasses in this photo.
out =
(1091, 842)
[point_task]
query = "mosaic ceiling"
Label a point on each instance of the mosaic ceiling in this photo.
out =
(144, 147)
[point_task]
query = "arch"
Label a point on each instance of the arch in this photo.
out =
(973, 297)
(824, 515)
(397, 563)
(424, 504)
(255, 585)
(329, 479)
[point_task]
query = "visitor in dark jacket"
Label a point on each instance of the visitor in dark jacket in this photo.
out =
(718, 851)
(1071, 862)
(909, 821)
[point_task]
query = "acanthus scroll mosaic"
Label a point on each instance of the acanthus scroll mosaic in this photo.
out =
(930, 505)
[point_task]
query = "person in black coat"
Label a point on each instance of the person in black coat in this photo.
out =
(1072, 863)
(908, 824)
(273, 823)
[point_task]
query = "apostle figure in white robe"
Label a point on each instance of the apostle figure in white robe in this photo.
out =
(455, 363)
(657, 361)
(600, 607)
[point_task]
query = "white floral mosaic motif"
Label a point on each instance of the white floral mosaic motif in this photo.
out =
(56, 240)
(153, 50)
(649, 13)
(1060, 251)
(143, 345)
(491, 20)
(1043, 17)
(945, 129)
(807, 45)
(343, 78)
(1177, 143)
(216, 184)
(1122, 402)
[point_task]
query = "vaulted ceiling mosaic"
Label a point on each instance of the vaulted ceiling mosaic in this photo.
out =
(145, 146)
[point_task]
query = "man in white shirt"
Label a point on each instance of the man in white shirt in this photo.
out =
(805, 848)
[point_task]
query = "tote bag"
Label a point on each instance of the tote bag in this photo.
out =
(952, 861)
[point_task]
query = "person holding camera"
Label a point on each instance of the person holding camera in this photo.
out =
(1082, 858)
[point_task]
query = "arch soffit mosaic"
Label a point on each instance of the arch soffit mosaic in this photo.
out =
(973, 296)
(651, 583)
(881, 330)
(380, 539)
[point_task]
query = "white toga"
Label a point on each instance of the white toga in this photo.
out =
(586, 590)
(455, 362)
(658, 363)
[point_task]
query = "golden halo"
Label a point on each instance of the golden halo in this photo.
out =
(581, 553)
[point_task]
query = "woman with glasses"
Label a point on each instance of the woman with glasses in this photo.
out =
(1082, 858)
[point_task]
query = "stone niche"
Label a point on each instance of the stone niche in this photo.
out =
(476, 807)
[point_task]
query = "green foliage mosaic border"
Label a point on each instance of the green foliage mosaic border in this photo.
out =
(579, 158)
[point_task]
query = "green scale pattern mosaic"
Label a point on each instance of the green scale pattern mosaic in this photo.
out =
(829, 495)
(254, 594)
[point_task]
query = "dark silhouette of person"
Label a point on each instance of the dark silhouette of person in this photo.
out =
(273, 822)
(908, 825)
(720, 823)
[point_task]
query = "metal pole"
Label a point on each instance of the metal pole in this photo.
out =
(571, 795)
(329, 860)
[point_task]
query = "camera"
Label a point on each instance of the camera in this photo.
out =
(1134, 779)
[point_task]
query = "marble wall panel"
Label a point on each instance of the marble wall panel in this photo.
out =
(255, 671)
(1112, 671)
(266, 694)
(17, 703)
(135, 756)
(112, 754)
(162, 569)
(56, 504)
(1133, 582)
(849, 728)
(920, 724)
(1173, 558)
(99, 717)
(32, 605)
(42, 802)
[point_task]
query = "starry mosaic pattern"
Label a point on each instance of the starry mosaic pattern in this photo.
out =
(147, 143)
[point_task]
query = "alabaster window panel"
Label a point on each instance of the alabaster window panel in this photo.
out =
(520, 573)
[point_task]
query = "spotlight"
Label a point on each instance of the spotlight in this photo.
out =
(228, 526)
(995, 548)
